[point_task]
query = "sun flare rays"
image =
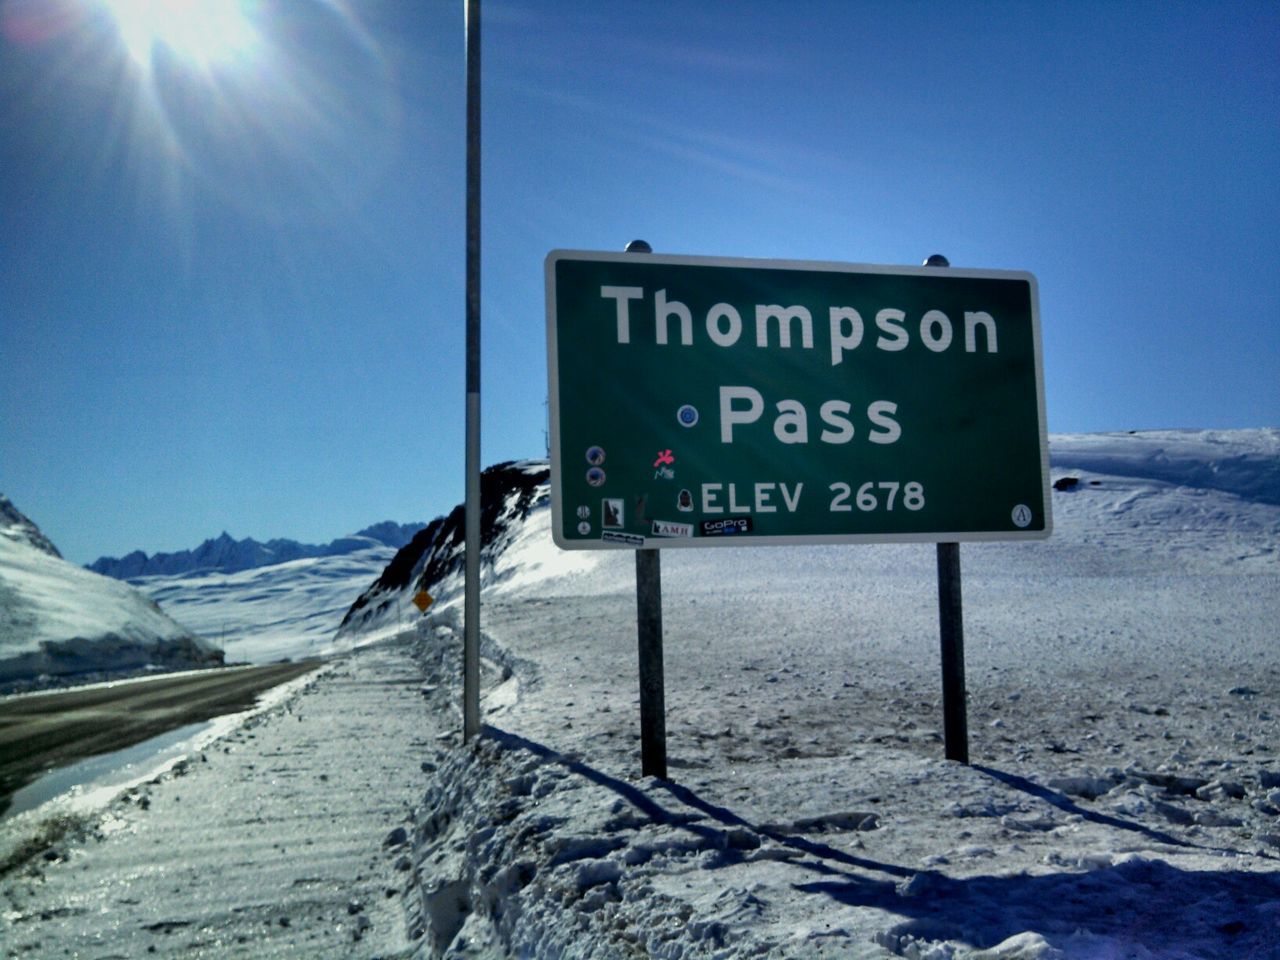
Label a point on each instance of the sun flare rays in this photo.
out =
(283, 110)
(201, 32)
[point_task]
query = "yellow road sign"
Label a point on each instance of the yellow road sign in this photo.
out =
(422, 600)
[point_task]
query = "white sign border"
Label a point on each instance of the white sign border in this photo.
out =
(813, 266)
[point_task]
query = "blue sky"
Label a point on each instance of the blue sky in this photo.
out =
(231, 250)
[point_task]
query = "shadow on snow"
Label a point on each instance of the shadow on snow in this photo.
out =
(1145, 902)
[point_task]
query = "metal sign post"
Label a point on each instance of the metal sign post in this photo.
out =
(653, 707)
(955, 712)
(471, 588)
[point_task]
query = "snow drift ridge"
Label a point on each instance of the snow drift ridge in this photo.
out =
(1245, 463)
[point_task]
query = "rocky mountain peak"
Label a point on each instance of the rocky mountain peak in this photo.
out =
(16, 526)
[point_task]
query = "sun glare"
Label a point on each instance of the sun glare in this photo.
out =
(284, 111)
(202, 32)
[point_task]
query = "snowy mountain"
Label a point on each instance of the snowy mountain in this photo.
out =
(225, 554)
(270, 601)
(60, 620)
(1245, 463)
(284, 611)
(19, 529)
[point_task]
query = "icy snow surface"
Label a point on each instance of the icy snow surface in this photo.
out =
(284, 838)
(1124, 798)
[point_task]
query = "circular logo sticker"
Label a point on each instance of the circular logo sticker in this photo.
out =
(584, 512)
(595, 456)
(595, 476)
(687, 415)
(584, 528)
(1021, 515)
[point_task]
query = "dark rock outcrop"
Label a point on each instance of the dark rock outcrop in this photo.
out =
(436, 554)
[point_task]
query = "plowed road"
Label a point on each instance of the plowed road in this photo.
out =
(45, 730)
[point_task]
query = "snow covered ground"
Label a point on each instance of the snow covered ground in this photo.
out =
(1124, 799)
(1123, 802)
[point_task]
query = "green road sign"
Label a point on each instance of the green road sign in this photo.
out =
(700, 401)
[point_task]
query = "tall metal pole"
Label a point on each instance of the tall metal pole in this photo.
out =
(653, 706)
(471, 598)
(955, 714)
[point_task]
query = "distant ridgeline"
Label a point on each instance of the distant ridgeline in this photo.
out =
(228, 555)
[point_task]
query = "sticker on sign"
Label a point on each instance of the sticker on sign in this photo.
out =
(729, 526)
(812, 402)
(669, 528)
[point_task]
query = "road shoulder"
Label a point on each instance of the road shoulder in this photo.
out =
(287, 838)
